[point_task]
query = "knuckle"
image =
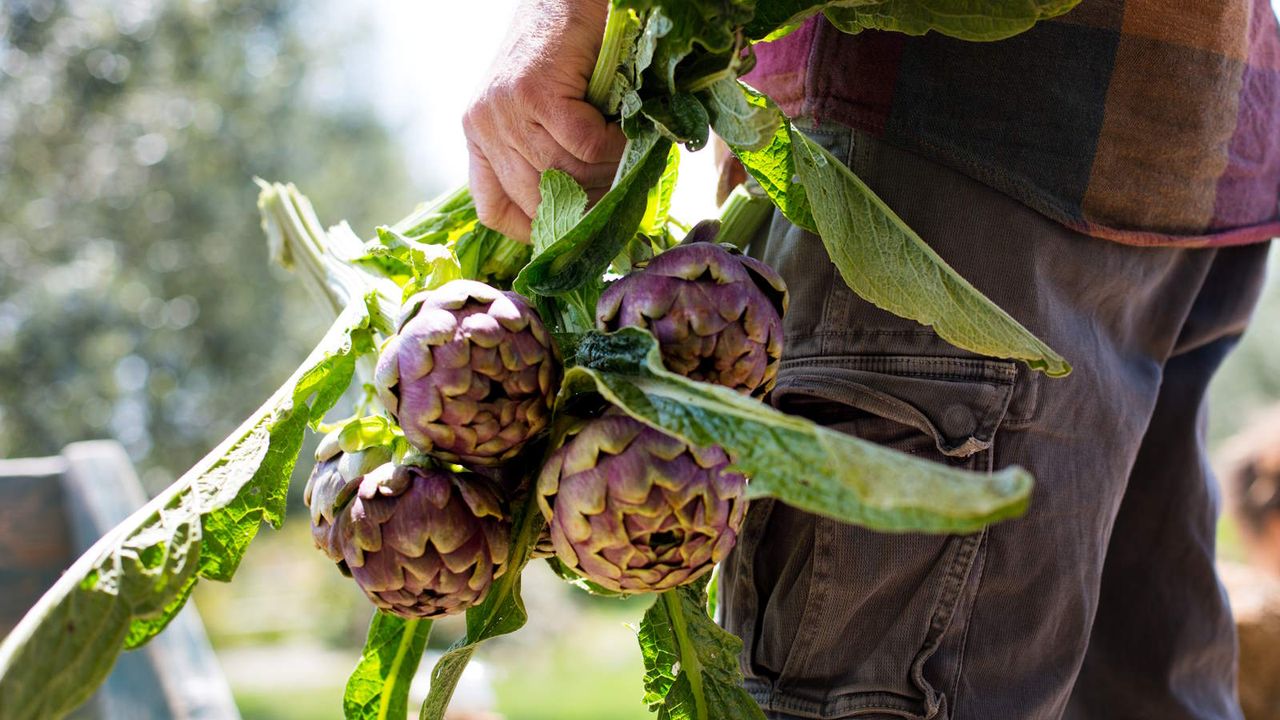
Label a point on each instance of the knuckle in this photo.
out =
(528, 93)
(503, 224)
(474, 119)
(539, 155)
(591, 146)
(488, 207)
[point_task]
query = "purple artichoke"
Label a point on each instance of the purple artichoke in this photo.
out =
(471, 373)
(717, 314)
(421, 543)
(335, 479)
(636, 510)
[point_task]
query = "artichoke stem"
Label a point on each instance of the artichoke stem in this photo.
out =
(612, 46)
(690, 665)
(299, 241)
(442, 204)
(741, 216)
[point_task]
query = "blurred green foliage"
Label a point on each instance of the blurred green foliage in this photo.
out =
(1248, 383)
(136, 297)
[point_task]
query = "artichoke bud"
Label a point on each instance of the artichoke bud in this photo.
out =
(337, 474)
(470, 374)
(633, 509)
(716, 313)
(421, 542)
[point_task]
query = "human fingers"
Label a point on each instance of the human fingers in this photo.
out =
(542, 151)
(494, 207)
(583, 131)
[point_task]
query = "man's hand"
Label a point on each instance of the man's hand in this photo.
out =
(531, 114)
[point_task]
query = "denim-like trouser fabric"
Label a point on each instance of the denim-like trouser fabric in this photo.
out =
(1102, 601)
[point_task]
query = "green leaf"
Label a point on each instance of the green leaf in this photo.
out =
(658, 205)
(378, 688)
(582, 254)
(388, 262)
(963, 19)
(774, 169)
(562, 205)
(680, 118)
(440, 241)
(501, 612)
(691, 664)
(713, 592)
(886, 263)
(807, 466)
(129, 585)
(738, 121)
(711, 24)
(433, 266)
(566, 573)
(415, 263)
(369, 431)
(774, 16)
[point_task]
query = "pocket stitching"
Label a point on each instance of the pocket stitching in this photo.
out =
(746, 554)
(1023, 383)
(962, 551)
(815, 601)
(990, 370)
(964, 635)
(953, 583)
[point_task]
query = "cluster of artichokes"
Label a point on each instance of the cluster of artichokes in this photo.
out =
(470, 377)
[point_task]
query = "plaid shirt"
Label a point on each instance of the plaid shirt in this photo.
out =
(1148, 122)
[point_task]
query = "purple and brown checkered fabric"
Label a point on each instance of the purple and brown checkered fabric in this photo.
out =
(1148, 122)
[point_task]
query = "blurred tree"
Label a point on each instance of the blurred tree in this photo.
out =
(1249, 381)
(136, 299)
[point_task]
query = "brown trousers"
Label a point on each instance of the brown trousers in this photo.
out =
(1101, 602)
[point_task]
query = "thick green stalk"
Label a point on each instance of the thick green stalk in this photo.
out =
(491, 618)
(690, 664)
(612, 47)
(299, 241)
(450, 200)
(741, 216)
(402, 650)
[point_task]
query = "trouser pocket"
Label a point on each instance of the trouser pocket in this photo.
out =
(843, 621)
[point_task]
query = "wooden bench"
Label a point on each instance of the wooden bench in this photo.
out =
(51, 510)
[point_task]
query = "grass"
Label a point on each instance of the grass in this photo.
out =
(308, 704)
(596, 679)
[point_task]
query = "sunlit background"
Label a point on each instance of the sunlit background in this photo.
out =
(137, 301)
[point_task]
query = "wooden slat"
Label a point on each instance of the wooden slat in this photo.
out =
(35, 543)
(33, 529)
(51, 511)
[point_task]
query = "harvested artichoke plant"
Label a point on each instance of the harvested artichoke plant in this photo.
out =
(636, 510)
(419, 542)
(471, 373)
(494, 417)
(717, 313)
(470, 377)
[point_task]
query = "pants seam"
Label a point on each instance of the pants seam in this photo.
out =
(954, 704)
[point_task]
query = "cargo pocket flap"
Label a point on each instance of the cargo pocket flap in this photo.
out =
(958, 402)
